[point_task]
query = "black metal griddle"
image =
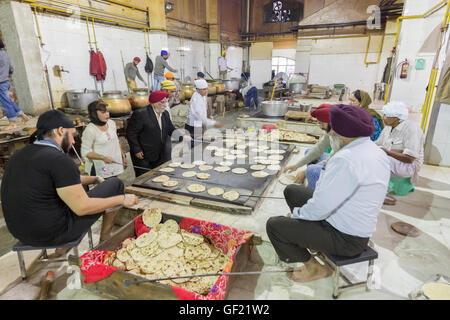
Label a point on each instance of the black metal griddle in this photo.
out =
(249, 187)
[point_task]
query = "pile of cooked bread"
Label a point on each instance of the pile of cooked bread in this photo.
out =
(168, 251)
(287, 135)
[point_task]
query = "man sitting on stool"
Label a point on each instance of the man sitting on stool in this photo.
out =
(402, 141)
(340, 216)
(42, 193)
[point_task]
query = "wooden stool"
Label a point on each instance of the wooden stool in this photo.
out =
(19, 247)
(337, 262)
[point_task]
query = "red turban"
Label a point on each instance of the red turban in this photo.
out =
(137, 59)
(351, 121)
(322, 113)
(157, 96)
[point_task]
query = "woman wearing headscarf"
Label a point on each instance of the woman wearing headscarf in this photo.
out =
(362, 99)
(100, 147)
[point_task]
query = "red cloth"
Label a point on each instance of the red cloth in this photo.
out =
(137, 59)
(101, 74)
(98, 65)
(94, 63)
(322, 113)
(157, 96)
(225, 238)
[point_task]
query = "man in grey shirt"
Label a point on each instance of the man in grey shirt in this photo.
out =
(160, 65)
(131, 71)
(12, 111)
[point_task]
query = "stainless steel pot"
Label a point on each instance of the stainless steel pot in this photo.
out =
(297, 87)
(80, 99)
(232, 84)
(274, 108)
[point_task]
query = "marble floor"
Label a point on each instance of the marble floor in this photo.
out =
(403, 266)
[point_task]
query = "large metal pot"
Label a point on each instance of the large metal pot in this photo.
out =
(118, 104)
(232, 84)
(139, 98)
(188, 89)
(297, 87)
(80, 99)
(274, 108)
(212, 88)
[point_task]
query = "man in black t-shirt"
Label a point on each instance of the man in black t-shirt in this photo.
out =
(42, 193)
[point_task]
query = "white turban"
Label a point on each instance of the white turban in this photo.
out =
(396, 109)
(201, 84)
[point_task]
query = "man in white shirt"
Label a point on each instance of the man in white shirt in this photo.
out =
(198, 111)
(223, 66)
(340, 216)
(402, 141)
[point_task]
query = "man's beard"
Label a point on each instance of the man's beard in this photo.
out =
(336, 143)
(65, 145)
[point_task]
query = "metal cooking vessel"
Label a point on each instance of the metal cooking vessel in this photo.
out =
(211, 88)
(188, 89)
(274, 108)
(139, 98)
(232, 84)
(297, 87)
(80, 99)
(305, 107)
(118, 104)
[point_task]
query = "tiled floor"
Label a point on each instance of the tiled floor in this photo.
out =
(404, 263)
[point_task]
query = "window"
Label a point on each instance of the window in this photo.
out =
(282, 64)
(283, 11)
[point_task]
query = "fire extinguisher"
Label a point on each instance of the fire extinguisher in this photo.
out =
(405, 70)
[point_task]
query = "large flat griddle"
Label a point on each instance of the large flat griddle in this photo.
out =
(251, 189)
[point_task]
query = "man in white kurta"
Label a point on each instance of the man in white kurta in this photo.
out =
(198, 111)
(403, 141)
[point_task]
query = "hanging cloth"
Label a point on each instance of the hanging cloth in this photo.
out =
(149, 65)
(101, 75)
(94, 64)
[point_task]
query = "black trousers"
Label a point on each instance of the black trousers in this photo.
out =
(292, 237)
(78, 225)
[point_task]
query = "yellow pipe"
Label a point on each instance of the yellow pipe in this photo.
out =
(38, 28)
(425, 106)
(89, 34)
(379, 52)
(430, 101)
(95, 36)
(446, 14)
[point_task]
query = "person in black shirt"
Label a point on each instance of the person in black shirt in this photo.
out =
(42, 193)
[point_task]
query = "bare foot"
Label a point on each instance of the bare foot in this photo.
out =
(301, 176)
(312, 270)
(60, 252)
(25, 118)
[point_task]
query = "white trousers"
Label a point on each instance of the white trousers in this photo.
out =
(403, 170)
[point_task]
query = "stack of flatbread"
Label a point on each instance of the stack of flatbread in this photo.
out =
(168, 251)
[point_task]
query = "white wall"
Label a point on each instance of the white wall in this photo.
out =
(66, 44)
(414, 33)
(341, 61)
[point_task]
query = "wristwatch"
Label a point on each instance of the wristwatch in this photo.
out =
(97, 180)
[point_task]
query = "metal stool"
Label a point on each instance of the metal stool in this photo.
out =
(337, 262)
(19, 247)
